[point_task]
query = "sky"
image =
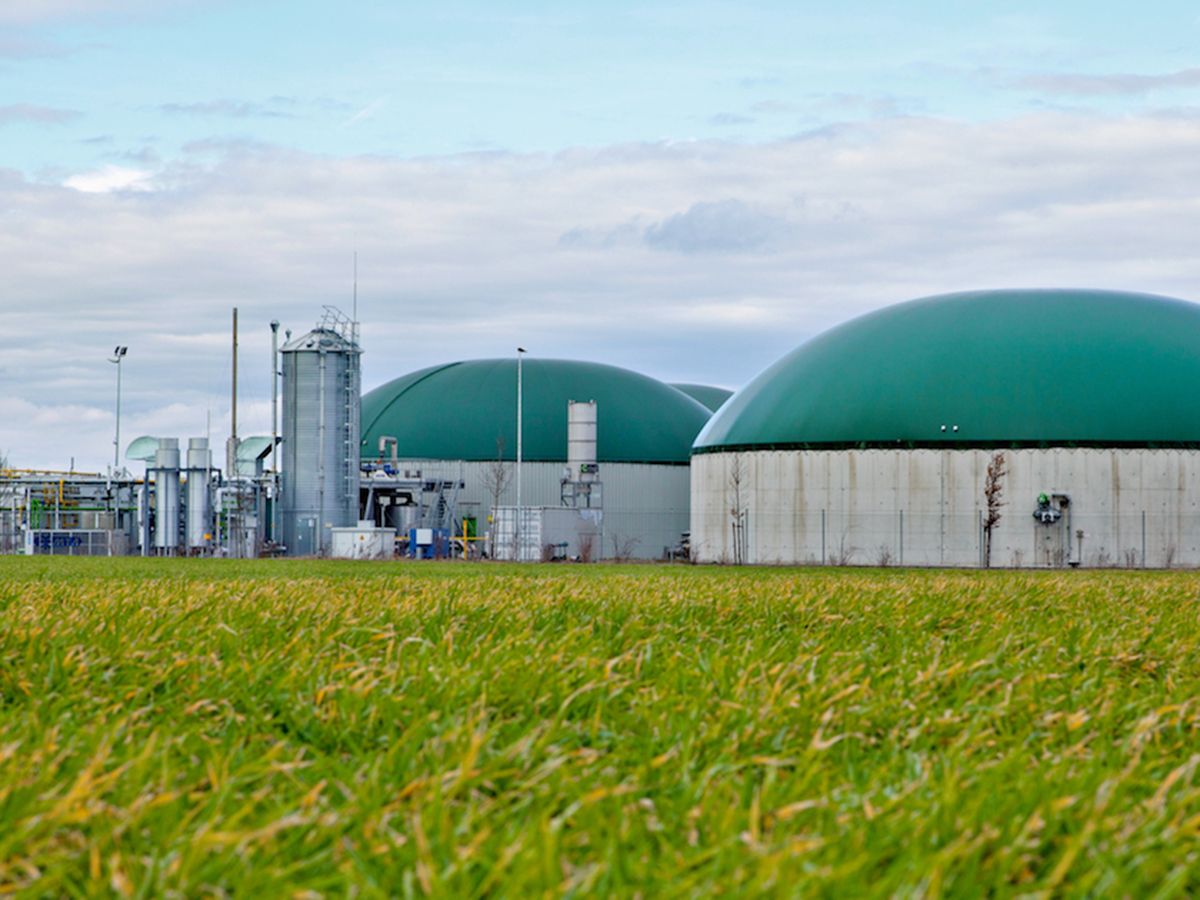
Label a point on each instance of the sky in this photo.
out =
(688, 190)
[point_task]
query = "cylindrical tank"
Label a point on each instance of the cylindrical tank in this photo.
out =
(320, 471)
(198, 517)
(581, 439)
(166, 496)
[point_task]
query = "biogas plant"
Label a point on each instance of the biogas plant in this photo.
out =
(1009, 428)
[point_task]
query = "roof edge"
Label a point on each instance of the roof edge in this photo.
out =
(950, 445)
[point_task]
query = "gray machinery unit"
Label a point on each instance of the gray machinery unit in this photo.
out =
(198, 528)
(166, 497)
(320, 470)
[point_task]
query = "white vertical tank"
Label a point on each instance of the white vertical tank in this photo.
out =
(581, 486)
(321, 408)
(581, 439)
(198, 511)
(166, 497)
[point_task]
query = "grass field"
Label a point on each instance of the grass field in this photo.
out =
(297, 728)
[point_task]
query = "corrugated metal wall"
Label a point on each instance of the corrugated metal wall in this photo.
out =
(645, 506)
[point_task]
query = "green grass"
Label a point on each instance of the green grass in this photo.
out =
(296, 728)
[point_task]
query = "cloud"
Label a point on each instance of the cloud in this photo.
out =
(38, 115)
(699, 261)
(21, 12)
(723, 226)
(109, 179)
(366, 112)
(232, 109)
(875, 105)
(755, 82)
(1080, 85)
(602, 238)
(725, 118)
(771, 107)
(15, 47)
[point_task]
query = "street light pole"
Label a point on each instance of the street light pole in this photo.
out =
(274, 427)
(520, 434)
(118, 355)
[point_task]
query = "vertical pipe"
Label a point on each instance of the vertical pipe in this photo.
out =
(1143, 539)
(274, 426)
(233, 404)
(320, 536)
(901, 560)
(942, 512)
(520, 432)
(234, 530)
(117, 438)
(1069, 536)
(822, 537)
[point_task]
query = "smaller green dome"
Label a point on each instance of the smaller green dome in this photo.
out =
(465, 410)
(709, 395)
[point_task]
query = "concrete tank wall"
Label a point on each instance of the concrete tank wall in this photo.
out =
(925, 507)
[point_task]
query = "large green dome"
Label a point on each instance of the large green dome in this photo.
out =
(459, 410)
(1010, 368)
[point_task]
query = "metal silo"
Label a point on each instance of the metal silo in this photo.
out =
(166, 497)
(198, 515)
(320, 468)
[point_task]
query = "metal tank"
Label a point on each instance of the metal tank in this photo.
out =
(581, 439)
(581, 481)
(166, 497)
(198, 511)
(321, 408)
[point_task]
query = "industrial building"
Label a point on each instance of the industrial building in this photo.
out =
(453, 429)
(1002, 428)
(430, 471)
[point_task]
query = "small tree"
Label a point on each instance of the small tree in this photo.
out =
(993, 490)
(587, 545)
(737, 512)
(496, 478)
(623, 547)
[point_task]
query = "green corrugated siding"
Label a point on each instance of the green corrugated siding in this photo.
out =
(458, 410)
(1029, 367)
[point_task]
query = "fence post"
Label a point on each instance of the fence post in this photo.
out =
(901, 562)
(1143, 539)
(822, 537)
